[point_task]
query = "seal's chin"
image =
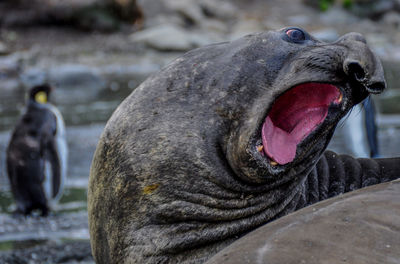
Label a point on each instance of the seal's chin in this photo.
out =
(294, 116)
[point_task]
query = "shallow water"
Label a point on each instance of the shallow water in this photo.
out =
(73, 199)
(16, 244)
(44, 239)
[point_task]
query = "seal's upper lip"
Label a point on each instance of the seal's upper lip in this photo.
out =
(294, 116)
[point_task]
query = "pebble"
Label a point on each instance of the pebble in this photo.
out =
(169, 37)
(4, 49)
(327, 34)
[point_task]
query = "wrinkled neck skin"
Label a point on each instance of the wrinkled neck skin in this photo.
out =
(215, 185)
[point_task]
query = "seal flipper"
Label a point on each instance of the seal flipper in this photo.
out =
(54, 162)
(59, 150)
(337, 174)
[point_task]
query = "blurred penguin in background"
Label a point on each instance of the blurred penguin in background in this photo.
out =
(361, 130)
(37, 155)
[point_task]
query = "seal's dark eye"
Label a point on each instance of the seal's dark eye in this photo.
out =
(296, 35)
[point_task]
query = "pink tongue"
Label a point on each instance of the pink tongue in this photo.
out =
(280, 145)
(293, 116)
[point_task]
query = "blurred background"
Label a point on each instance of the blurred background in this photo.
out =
(96, 52)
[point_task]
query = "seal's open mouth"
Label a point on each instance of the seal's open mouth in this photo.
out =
(293, 116)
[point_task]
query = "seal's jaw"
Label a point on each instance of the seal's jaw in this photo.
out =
(293, 117)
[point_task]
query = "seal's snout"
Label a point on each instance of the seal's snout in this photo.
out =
(361, 64)
(358, 72)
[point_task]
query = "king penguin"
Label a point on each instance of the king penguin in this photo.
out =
(37, 154)
(361, 130)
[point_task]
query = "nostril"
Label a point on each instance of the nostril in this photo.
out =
(355, 70)
(376, 87)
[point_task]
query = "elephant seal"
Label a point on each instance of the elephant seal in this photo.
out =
(358, 227)
(36, 154)
(225, 139)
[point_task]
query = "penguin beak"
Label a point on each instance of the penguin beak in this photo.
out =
(41, 97)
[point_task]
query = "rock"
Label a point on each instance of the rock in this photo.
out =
(95, 19)
(8, 85)
(10, 66)
(392, 19)
(380, 44)
(75, 83)
(327, 34)
(371, 8)
(392, 72)
(273, 23)
(170, 37)
(337, 16)
(363, 8)
(4, 49)
(33, 76)
(50, 252)
(163, 19)
(359, 227)
(221, 9)
(134, 72)
(189, 9)
(389, 102)
(201, 14)
(244, 27)
(10, 70)
(299, 20)
(103, 15)
(197, 12)
(126, 10)
(214, 25)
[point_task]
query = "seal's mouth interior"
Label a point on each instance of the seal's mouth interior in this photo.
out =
(293, 116)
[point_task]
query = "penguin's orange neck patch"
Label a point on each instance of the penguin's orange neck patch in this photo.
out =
(41, 97)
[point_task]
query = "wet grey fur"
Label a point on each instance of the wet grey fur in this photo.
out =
(177, 176)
